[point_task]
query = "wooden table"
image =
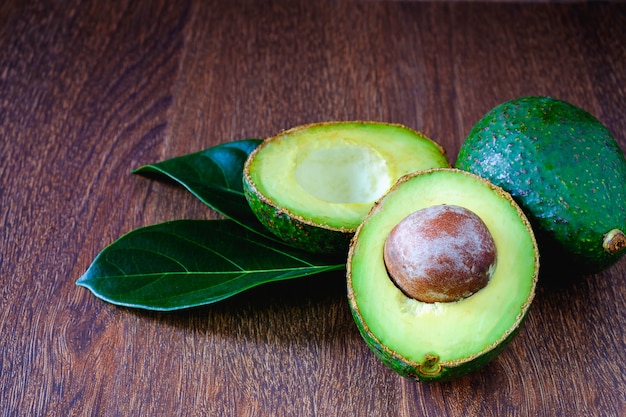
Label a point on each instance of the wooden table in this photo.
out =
(90, 90)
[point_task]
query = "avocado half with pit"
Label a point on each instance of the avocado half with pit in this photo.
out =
(441, 274)
(313, 185)
(566, 171)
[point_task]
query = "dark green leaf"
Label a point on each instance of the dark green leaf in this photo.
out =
(186, 263)
(215, 176)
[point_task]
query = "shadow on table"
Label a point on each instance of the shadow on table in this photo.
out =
(315, 306)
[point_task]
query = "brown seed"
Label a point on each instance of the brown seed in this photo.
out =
(441, 253)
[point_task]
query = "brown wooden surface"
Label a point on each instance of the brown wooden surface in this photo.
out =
(91, 89)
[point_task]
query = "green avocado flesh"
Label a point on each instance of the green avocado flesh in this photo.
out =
(565, 170)
(444, 340)
(313, 184)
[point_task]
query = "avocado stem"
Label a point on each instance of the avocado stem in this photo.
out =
(430, 366)
(614, 241)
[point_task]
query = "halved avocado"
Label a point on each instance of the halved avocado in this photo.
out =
(313, 185)
(442, 340)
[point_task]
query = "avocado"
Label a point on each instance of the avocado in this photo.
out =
(312, 185)
(566, 171)
(442, 340)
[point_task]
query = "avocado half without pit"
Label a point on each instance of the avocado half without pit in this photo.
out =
(441, 274)
(313, 185)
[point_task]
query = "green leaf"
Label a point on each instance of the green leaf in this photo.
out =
(215, 176)
(187, 263)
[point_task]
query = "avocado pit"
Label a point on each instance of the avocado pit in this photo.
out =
(441, 253)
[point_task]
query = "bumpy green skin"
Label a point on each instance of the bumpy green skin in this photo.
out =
(565, 170)
(411, 370)
(296, 232)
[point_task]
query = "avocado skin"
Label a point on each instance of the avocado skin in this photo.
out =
(296, 232)
(563, 167)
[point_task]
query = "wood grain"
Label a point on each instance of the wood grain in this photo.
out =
(90, 90)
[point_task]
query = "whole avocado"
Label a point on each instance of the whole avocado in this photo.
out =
(566, 171)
